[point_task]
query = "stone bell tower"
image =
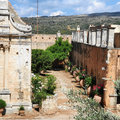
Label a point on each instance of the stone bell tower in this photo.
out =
(15, 59)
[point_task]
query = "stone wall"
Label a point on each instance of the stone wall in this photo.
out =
(97, 50)
(42, 41)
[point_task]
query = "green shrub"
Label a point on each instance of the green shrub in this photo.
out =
(35, 61)
(60, 49)
(39, 97)
(41, 60)
(21, 107)
(88, 81)
(88, 109)
(2, 104)
(41, 87)
(117, 86)
(51, 86)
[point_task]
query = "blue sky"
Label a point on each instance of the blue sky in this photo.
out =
(27, 8)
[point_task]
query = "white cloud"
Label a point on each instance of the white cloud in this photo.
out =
(118, 3)
(70, 7)
(56, 13)
(96, 6)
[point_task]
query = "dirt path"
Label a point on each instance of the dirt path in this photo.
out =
(58, 107)
(55, 107)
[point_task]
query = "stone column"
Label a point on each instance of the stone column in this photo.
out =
(111, 37)
(1, 68)
(6, 66)
(104, 37)
(78, 36)
(85, 37)
(93, 37)
(98, 42)
(90, 37)
(73, 36)
(81, 37)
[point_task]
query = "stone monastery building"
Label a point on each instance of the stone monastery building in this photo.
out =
(15, 59)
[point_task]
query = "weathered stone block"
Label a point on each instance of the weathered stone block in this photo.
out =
(98, 43)
(104, 37)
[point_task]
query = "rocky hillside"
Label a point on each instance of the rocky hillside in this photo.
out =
(67, 24)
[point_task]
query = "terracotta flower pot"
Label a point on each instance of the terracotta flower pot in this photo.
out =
(77, 71)
(97, 98)
(74, 74)
(77, 78)
(1, 111)
(89, 90)
(22, 112)
(81, 83)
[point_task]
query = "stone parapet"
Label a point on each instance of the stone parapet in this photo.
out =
(97, 36)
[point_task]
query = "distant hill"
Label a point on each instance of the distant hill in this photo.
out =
(67, 24)
(106, 14)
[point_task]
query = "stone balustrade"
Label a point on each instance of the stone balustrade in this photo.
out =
(96, 36)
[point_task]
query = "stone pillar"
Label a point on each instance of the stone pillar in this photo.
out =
(58, 34)
(104, 37)
(72, 36)
(90, 37)
(1, 68)
(78, 36)
(85, 37)
(81, 37)
(93, 37)
(109, 98)
(98, 42)
(111, 38)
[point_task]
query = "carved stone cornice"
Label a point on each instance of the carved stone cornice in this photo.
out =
(22, 28)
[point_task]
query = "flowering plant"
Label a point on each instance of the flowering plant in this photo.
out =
(97, 89)
(82, 74)
(88, 81)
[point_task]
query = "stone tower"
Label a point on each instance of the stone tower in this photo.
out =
(15, 59)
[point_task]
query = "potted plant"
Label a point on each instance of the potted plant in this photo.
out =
(77, 76)
(97, 93)
(2, 106)
(22, 110)
(115, 97)
(69, 64)
(73, 71)
(117, 87)
(82, 76)
(88, 83)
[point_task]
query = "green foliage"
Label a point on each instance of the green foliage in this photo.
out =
(41, 60)
(39, 97)
(44, 59)
(74, 68)
(51, 86)
(51, 25)
(88, 81)
(35, 62)
(117, 86)
(82, 74)
(2, 104)
(41, 87)
(60, 49)
(21, 107)
(88, 109)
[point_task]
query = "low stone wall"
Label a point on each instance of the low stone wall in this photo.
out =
(43, 41)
